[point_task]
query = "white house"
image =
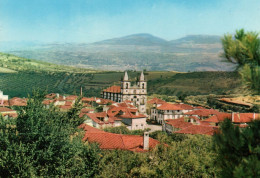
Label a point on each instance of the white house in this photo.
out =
(2, 96)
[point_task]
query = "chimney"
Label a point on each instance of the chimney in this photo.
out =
(146, 140)
(57, 95)
(64, 97)
(80, 91)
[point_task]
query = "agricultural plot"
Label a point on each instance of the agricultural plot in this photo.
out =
(18, 76)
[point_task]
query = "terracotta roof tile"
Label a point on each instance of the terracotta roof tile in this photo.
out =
(51, 96)
(4, 109)
(178, 123)
(198, 129)
(203, 112)
(116, 141)
(245, 117)
(169, 106)
(4, 103)
(156, 101)
(71, 97)
(185, 106)
(219, 117)
(113, 89)
(18, 101)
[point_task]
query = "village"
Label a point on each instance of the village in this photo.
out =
(128, 105)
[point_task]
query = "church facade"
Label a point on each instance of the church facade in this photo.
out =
(133, 93)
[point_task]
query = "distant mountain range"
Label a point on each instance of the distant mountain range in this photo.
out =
(133, 52)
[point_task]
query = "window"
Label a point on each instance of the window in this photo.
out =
(143, 86)
(126, 86)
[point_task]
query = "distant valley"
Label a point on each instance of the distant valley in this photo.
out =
(133, 52)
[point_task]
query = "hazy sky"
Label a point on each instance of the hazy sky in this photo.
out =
(94, 20)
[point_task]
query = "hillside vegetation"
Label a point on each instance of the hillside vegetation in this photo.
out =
(18, 76)
(133, 52)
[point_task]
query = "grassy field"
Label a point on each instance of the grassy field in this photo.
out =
(18, 76)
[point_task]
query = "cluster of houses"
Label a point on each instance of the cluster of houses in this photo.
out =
(6, 104)
(127, 105)
(187, 119)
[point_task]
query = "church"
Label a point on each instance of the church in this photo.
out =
(134, 93)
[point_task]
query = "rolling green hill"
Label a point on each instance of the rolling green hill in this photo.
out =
(18, 76)
(133, 52)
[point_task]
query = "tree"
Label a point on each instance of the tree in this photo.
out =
(238, 150)
(243, 49)
(42, 142)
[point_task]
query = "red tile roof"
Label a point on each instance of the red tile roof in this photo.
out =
(71, 97)
(237, 117)
(86, 110)
(156, 101)
(198, 129)
(116, 141)
(203, 112)
(105, 101)
(101, 115)
(245, 117)
(90, 129)
(64, 107)
(129, 115)
(125, 105)
(88, 99)
(185, 106)
(113, 89)
(219, 117)
(178, 123)
(4, 109)
(169, 106)
(47, 102)
(4, 103)
(51, 96)
(68, 103)
(18, 101)
(198, 107)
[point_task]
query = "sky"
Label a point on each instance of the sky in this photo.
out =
(87, 21)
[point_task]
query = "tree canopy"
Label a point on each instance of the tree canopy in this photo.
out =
(238, 150)
(44, 142)
(243, 49)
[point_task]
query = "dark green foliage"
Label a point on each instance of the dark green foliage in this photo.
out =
(244, 50)
(18, 78)
(195, 83)
(73, 114)
(43, 142)
(124, 130)
(238, 150)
